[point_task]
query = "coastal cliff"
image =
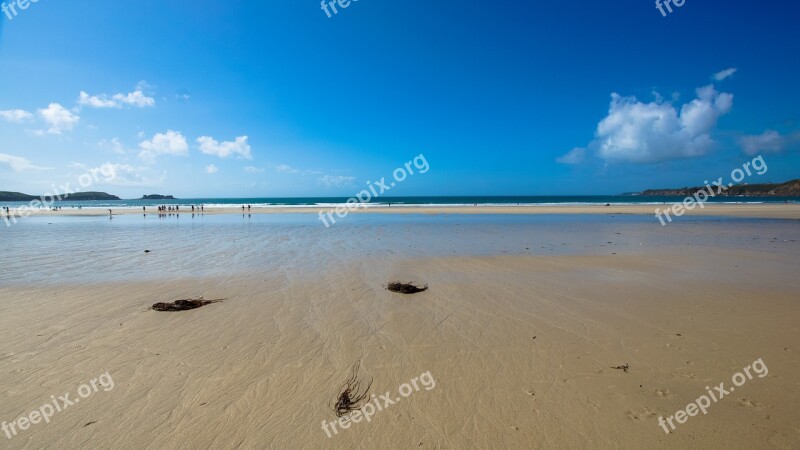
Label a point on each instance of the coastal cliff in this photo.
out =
(787, 189)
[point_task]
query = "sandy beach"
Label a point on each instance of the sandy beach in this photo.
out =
(522, 345)
(399, 226)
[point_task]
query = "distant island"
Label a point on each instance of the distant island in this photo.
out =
(75, 197)
(157, 197)
(787, 189)
(15, 197)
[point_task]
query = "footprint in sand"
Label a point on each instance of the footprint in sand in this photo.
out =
(745, 403)
(663, 393)
(641, 415)
(688, 375)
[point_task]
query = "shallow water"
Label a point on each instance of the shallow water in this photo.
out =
(93, 249)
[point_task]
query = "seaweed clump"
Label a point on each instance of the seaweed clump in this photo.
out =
(624, 368)
(405, 288)
(183, 305)
(351, 397)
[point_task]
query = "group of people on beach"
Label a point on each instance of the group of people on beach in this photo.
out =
(176, 209)
(168, 210)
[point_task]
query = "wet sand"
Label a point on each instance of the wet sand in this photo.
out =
(521, 348)
(764, 210)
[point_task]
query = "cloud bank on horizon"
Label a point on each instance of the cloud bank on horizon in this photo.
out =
(57, 119)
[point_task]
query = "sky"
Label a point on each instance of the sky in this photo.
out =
(277, 99)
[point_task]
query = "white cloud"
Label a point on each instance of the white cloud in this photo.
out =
(210, 146)
(170, 143)
(212, 169)
(183, 95)
(336, 181)
(768, 142)
(16, 115)
(574, 156)
(641, 132)
(137, 98)
(251, 169)
(719, 76)
(59, 118)
(95, 101)
(113, 145)
(114, 174)
(283, 168)
(17, 163)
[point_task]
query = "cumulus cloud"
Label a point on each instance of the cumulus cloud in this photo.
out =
(721, 75)
(137, 98)
(768, 142)
(17, 163)
(210, 146)
(170, 143)
(336, 181)
(95, 101)
(639, 132)
(58, 118)
(212, 169)
(15, 115)
(574, 156)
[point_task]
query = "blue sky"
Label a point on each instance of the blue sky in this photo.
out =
(246, 98)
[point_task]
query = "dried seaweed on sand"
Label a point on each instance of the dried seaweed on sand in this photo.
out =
(623, 368)
(405, 288)
(183, 305)
(351, 397)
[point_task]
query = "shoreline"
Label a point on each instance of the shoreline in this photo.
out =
(759, 211)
